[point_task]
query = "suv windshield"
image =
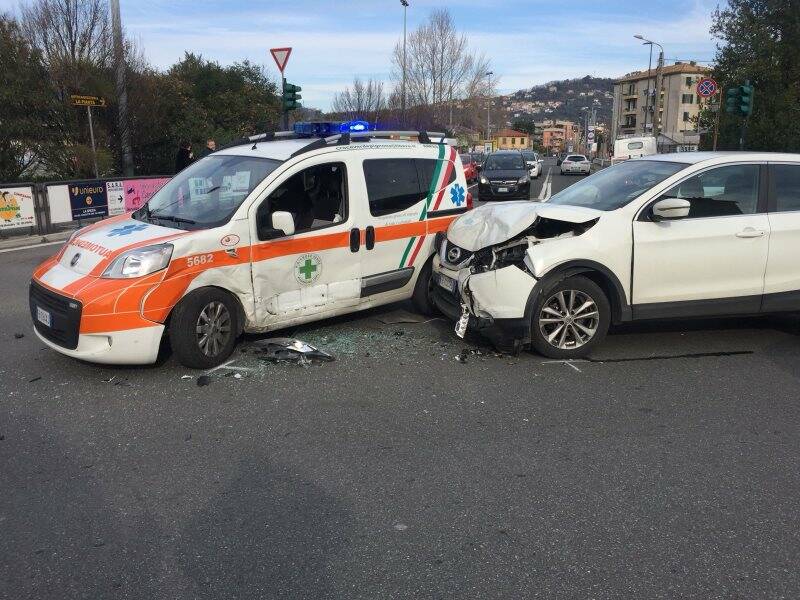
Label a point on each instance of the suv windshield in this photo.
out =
(504, 162)
(615, 186)
(207, 193)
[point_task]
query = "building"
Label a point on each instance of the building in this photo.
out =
(510, 139)
(678, 104)
(558, 136)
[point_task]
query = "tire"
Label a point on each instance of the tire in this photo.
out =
(422, 296)
(205, 307)
(571, 340)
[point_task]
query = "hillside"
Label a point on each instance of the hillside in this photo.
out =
(561, 100)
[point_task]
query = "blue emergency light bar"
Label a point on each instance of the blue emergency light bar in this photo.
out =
(328, 128)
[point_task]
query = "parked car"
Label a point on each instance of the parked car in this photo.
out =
(470, 166)
(504, 176)
(576, 163)
(666, 236)
(533, 162)
(276, 230)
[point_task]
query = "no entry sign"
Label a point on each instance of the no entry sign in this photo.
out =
(281, 56)
(707, 87)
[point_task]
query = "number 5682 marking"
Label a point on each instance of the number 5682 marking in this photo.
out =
(200, 259)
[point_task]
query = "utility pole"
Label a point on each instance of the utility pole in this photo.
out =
(122, 93)
(488, 106)
(716, 117)
(403, 91)
(91, 137)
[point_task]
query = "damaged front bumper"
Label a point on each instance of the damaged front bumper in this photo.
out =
(496, 302)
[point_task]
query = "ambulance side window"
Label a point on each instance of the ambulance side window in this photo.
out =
(316, 197)
(427, 169)
(392, 185)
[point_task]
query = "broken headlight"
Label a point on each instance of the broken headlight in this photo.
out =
(512, 253)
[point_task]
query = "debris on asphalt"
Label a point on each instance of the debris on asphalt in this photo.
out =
(34, 379)
(290, 350)
(110, 379)
(400, 526)
(462, 356)
(186, 376)
(203, 380)
(19, 336)
(398, 317)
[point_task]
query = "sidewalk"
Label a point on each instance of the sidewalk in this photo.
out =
(27, 241)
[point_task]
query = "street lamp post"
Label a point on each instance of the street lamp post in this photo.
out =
(657, 94)
(488, 105)
(404, 3)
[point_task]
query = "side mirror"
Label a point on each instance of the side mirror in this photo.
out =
(541, 160)
(668, 209)
(283, 221)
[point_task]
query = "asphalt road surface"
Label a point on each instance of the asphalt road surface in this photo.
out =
(667, 466)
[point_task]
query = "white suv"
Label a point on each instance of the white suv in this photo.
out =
(666, 236)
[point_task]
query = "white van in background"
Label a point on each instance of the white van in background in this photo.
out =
(634, 147)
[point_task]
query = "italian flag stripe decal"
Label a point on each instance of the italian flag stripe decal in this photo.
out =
(440, 175)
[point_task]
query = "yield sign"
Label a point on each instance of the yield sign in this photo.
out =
(281, 56)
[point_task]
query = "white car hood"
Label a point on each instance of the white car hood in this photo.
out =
(495, 223)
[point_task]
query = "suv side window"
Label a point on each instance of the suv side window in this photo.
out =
(720, 192)
(786, 182)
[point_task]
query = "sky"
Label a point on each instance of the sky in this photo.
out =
(528, 42)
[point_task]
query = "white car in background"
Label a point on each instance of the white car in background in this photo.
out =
(576, 163)
(693, 234)
(533, 162)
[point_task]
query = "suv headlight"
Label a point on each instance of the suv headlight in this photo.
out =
(484, 181)
(139, 262)
(523, 179)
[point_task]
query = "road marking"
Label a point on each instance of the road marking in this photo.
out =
(547, 184)
(32, 246)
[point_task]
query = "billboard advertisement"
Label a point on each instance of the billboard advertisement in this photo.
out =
(88, 199)
(139, 191)
(16, 207)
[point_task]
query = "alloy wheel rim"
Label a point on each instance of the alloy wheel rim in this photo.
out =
(569, 319)
(213, 328)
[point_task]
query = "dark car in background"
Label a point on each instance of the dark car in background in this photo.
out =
(504, 176)
(560, 158)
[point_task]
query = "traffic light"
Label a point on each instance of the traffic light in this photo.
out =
(732, 100)
(291, 96)
(746, 99)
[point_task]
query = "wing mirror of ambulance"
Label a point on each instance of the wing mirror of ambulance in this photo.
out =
(281, 224)
(669, 209)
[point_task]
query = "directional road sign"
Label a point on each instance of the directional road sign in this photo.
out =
(87, 100)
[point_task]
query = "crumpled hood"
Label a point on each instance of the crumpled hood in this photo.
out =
(98, 244)
(496, 223)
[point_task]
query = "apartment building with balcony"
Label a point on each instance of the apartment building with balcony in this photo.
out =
(677, 104)
(558, 136)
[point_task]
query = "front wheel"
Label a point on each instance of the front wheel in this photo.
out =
(570, 319)
(204, 327)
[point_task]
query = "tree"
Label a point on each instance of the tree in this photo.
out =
(28, 102)
(362, 101)
(440, 69)
(761, 42)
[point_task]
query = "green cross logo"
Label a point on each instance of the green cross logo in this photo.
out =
(308, 268)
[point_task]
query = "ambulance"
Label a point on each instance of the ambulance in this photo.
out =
(274, 230)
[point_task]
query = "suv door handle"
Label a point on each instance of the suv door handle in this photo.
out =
(750, 232)
(355, 239)
(370, 237)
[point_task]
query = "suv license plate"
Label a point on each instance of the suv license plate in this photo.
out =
(447, 283)
(43, 317)
(503, 189)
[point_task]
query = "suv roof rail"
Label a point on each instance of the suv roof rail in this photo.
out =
(344, 139)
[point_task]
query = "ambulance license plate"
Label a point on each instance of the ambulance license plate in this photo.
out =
(502, 189)
(43, 317)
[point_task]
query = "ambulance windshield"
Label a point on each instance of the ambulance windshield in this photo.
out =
(206, 193)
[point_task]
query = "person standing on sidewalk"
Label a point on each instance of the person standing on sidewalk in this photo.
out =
(184, 156)
(211, 146)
